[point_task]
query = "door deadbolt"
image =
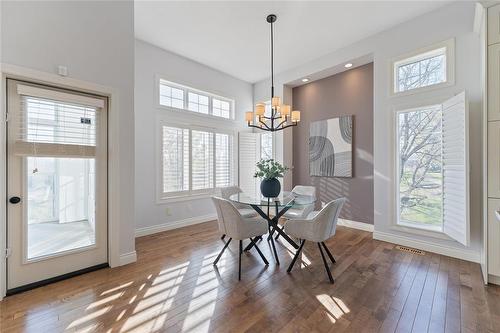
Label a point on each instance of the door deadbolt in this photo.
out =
(14, 200)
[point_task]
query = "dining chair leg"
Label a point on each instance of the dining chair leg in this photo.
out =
(326, 264)
(239, 260)
(328, 253)
(223, 236)
(260, 253)
(222, 251)
(297, 254)
(275, 252)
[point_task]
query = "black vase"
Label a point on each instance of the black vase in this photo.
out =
(270, 188)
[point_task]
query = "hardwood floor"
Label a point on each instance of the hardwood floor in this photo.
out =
(173, 287)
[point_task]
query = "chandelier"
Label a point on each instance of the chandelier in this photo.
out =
(281, 115)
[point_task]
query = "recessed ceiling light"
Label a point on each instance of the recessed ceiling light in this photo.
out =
(305, 80)
(348, 65)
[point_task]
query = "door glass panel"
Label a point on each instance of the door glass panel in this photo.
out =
(61, 204)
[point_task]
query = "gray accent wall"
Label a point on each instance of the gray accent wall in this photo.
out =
(346, 93)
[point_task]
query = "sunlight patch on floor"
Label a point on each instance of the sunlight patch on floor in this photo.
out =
(90, 316)
(334, 306)
(302, 259)
(104, 300)
(112, 290)
(202, 305)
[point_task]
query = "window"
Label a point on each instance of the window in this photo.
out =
(195, 160)
(197, 103)
(171, 96)
(266, 146)
(180, 97)
(432, 168)
(175, 152)
(202, 145)
(432, 66)
(223, 159)
(221, 108)
(420, 167)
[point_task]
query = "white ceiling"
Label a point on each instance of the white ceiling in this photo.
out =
(233, 36)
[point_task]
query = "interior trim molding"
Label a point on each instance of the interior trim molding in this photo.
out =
(128, 258)
(355, 225)
(144, 231)
(464, 254)
(493, 279)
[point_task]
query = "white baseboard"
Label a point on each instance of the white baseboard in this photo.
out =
(493, 279)
(173, 225)
(355, 225)
(464, 254)
(128, 258)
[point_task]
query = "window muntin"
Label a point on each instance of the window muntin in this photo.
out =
(420, 167)
(181, 97)
(197, 103)
(171, 96)
(195, 161)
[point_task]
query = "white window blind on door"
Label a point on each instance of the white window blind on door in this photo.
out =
(55, 123)
(455, 157)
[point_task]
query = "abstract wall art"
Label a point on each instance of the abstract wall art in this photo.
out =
(330, 147)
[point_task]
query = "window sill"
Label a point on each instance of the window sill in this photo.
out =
(187, 197)
(427, 231)
(422, 89)
(190, 113)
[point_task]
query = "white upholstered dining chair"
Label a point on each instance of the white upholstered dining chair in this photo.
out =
(244, 210)
(318, 227)
(235, 226)
(303, 211)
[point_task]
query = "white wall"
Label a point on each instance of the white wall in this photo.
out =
(152, 62)
(453, 21)
(95, 40)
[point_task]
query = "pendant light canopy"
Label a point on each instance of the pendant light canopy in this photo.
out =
(281, 115)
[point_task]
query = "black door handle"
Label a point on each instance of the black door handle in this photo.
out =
(14, 200)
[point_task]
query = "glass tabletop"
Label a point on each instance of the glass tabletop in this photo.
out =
(285, 199)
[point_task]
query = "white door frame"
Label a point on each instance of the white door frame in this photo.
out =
(21, 73)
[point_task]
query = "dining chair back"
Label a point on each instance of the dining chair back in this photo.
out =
(226, 192)
(220, 219)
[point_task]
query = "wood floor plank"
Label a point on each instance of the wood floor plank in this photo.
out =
(173, 287)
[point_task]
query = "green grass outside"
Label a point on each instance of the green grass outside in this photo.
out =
(429, 210)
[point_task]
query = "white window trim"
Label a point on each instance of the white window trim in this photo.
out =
(159, 80)
(395, 225)
(162, 197)
(449, 45)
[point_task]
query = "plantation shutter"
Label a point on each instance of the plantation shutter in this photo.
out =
(55, 123)
(175, 157)
(249, 154)
(223, 160)
(455, 159)
(202, 157)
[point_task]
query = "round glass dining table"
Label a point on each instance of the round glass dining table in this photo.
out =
(272, 209)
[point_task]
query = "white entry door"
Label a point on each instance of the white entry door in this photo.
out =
(56, 183)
